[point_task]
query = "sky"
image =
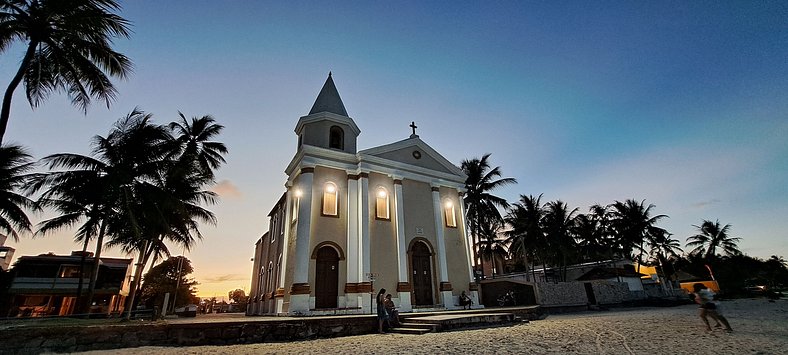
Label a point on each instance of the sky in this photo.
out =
(681, 104)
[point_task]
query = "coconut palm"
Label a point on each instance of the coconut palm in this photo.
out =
(492, 245)
(68, 48)
(558, 224)
(101, 189)
(664, 250)
(525, 237)
(632, 224)
(14, 163)
(194, 142)
(712, 236)
(480, 204)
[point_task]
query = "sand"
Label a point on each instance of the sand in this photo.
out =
(760, 327)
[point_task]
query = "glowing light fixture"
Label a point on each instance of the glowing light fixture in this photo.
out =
(298, 193)
(330, 188)
(449, 204)
(381, 193)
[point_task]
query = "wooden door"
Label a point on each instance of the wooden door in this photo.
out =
(327, 278)
(422, 275)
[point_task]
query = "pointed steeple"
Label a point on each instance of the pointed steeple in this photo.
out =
(328, 100)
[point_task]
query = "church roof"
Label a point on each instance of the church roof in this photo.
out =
(328, 100)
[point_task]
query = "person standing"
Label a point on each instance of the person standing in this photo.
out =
(705, 298)
(382, 315)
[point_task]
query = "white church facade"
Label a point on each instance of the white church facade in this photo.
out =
(353, 221)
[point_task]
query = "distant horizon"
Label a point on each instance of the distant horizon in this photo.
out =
(678, 104)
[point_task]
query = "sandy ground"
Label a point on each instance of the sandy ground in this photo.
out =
(760, 327)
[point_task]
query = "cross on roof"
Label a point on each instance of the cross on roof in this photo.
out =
(413, 126)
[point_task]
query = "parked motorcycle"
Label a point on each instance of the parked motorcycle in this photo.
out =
(507, 299)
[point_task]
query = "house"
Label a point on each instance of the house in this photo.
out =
(353, 221)
(47, 284)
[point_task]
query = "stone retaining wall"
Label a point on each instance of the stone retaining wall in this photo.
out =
(83, 338)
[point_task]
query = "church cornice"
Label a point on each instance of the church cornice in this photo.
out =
(327, 116)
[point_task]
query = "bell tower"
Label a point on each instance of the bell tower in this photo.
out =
(328, 125)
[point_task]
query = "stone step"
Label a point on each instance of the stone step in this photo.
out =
(413, 331)
(428, 326)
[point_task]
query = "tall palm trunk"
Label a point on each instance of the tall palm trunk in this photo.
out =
(82, 270)
(138, 267)
(9, 92)
(96, 265)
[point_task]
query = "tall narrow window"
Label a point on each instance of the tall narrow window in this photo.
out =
(274, 226)
(448, 211)
(382, 203)
(336, 138)
(295, 205)
(330, 199)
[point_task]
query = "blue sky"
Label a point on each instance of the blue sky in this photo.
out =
(681, 104)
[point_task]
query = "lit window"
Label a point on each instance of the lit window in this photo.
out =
(382, 204)
(336, 138)
(330, 199)
(295, 205)
(448, 211)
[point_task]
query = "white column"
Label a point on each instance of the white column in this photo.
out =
(300, 290)
(365, 248)
(352, 298)
(402, 256)
(446, 296)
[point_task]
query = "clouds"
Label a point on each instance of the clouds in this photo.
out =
(222, 278)
(227, 189)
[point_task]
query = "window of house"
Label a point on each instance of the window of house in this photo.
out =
(382, 203)
(448, 212)
(336, 138)
(330, 199)
(68, 271)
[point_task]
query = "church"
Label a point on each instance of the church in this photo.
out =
(354, 221)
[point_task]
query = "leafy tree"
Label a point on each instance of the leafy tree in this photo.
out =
(558, 224)
(491, 246)
(480, 204)
(100, 189)
(712, 236)
(526, 238)
(138, 188)
(69, 48)
(632, 224)
(593, 234)
(14, 163)
(170, 276)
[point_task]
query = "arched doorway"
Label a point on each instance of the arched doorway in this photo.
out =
(326, 278)
(421, 257)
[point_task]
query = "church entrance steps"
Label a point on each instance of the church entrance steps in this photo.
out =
(443, 322)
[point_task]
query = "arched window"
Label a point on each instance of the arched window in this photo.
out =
(330, 200)
(448, 212)
(336, 138)
(382, 203)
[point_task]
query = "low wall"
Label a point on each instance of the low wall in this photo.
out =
(113, 336)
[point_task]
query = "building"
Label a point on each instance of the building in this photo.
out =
(47, 284)
(6, 254)
(353, 221)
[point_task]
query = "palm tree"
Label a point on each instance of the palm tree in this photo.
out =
(632, 224)
(663, 250)
(179, 191)
(480, 204)
(100, 189)
(558, 224)
(14, 163)
(525, 236)
(194, 142)
(712, 236)
(491, 246)
(69, 48)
